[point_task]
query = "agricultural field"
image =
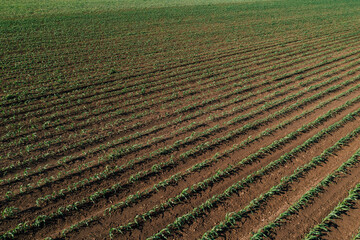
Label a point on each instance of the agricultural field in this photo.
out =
(203, 119)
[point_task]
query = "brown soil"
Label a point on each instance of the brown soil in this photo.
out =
(80, 119)
(347, 226)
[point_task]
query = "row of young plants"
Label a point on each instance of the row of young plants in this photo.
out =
(188, 117)
(98, 119)
(77, 95)
(206, 57)
(25, 226)
(267, 132)
(182, 130)
(163, 126)
(22, 187)
(308, 198)
(79, 52)
(27, 172)
(182, 111)
(28, 148)
(128, 39)
(286, 182)
(252, 177)
(320, 230)
(104, 174)
(57, 117)
(104, 191)
(58, 124)
(74, 53)
(133, 199)
(198, 149)
(137, 85)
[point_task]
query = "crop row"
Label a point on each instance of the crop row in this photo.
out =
(77, 96)
(183, 156)
(107, 190)
(46, 181)
(56, 141)
(157, 89)
(106, 172)
(54, 214)
(70, 128)
(252, 177)
(133, 199)
(29, 160)
(341, 209)
(296, 37)
(286, 181)
(257, 48)
(137, 85)
(182, 130)
(135, 148)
